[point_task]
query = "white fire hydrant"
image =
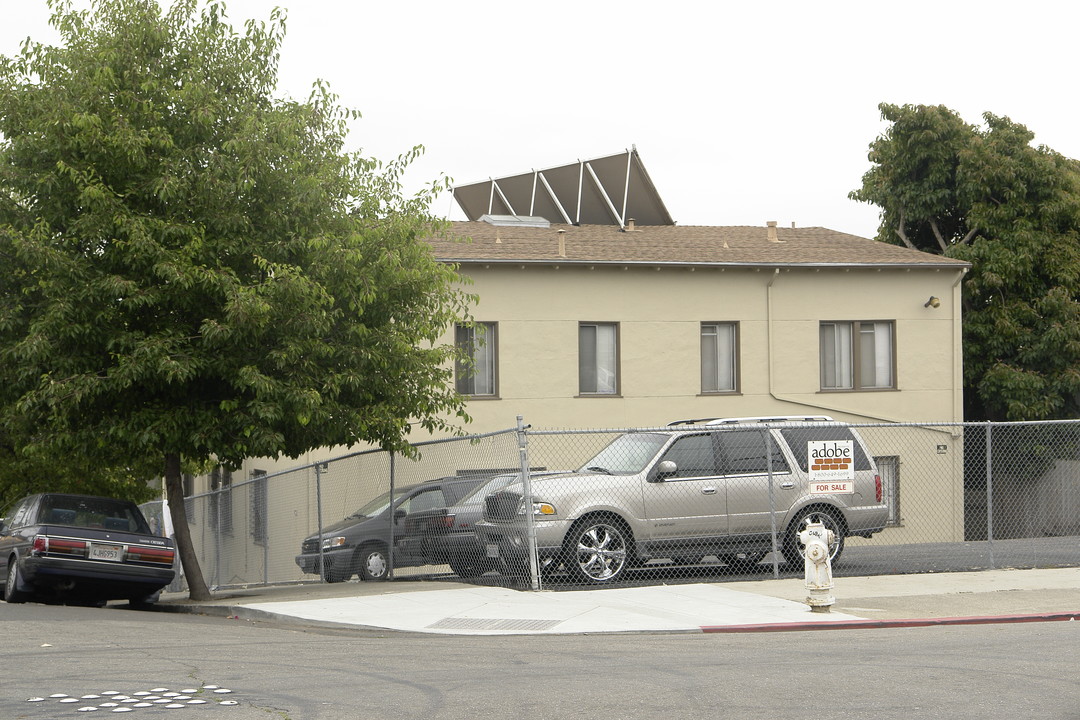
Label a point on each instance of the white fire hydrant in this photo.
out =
(816, 539)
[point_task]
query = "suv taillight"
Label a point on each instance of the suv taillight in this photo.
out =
(877, 487)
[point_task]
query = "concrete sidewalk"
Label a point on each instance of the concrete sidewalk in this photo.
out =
(444, 607)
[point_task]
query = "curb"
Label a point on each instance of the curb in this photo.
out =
(876, 624)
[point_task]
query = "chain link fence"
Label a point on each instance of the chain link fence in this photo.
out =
(691, 501)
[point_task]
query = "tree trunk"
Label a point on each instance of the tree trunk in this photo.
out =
(174, 491)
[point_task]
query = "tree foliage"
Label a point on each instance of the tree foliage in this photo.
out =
(23, 473)
(196, 270)
(985, 194)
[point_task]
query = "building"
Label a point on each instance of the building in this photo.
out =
(619, 324)
(607, 326)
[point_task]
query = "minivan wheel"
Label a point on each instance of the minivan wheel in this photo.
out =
(830, 518)
(374, 564)
(12, 593)
(337, 575)
(597, 550)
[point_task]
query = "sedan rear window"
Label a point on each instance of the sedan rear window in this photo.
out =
(103, 513)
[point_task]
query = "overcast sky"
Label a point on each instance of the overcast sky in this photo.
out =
(741, 114)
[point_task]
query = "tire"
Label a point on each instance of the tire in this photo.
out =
(830, 518)
(12, 594)
(337, 575)
(373, 563)
(742, 562)
(144, 602)
(598, 549)
(466, 567)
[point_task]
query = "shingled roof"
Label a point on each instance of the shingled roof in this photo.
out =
(481, 242)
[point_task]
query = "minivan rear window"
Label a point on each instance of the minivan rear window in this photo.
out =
(798, 437)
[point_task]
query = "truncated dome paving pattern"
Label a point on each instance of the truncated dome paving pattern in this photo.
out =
(156, 698)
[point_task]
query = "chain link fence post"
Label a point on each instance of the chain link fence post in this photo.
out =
(772, 501)
(527, 500)
(393, 517)
(319, 521)
(990, 494)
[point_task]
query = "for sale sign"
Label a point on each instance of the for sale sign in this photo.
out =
(832, 466)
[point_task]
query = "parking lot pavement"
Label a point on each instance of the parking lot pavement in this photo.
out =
(764, 605)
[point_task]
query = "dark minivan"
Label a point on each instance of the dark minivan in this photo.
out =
(360, 543)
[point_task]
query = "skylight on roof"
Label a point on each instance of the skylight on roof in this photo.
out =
(515, 221)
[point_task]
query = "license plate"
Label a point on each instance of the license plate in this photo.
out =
(112, 553)
(492, 550)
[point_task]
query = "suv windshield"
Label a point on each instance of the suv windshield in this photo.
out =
(627, 454)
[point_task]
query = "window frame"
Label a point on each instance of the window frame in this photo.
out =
(464, 379)
(855, 352)
(736, 379)
(617, 350)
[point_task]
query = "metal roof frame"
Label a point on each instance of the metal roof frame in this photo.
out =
(577, 193)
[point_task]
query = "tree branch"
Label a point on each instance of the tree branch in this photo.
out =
(937, 233)
(970, 234)
(900, 231)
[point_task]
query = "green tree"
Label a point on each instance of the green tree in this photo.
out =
(23, 473)
(199, 272)
(985, 194)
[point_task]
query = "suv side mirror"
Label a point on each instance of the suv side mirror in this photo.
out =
(664, 470)
(399, 514)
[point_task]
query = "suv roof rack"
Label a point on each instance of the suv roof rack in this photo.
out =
(753, 420)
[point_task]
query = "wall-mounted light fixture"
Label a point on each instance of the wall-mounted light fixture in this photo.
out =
(932, 302)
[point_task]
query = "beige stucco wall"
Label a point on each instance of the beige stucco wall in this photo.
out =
(660, 311)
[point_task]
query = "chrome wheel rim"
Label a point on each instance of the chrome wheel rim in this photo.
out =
(601, 552)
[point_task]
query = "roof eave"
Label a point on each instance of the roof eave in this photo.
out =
(668, 263)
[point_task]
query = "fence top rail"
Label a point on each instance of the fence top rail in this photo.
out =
(349, 456)
(930, 425)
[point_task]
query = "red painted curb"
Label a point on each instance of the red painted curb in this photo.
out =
(875, 624)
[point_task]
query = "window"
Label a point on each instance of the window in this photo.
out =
(258, 507)
(220, 506)
(718, 357)
(857, 355)
(889, 468)
(424, 500)
(744, 453)
(20, 516)
(598, 359)
(476, 375)
(694, 456)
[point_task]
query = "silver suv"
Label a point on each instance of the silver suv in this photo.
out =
(708, 487)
